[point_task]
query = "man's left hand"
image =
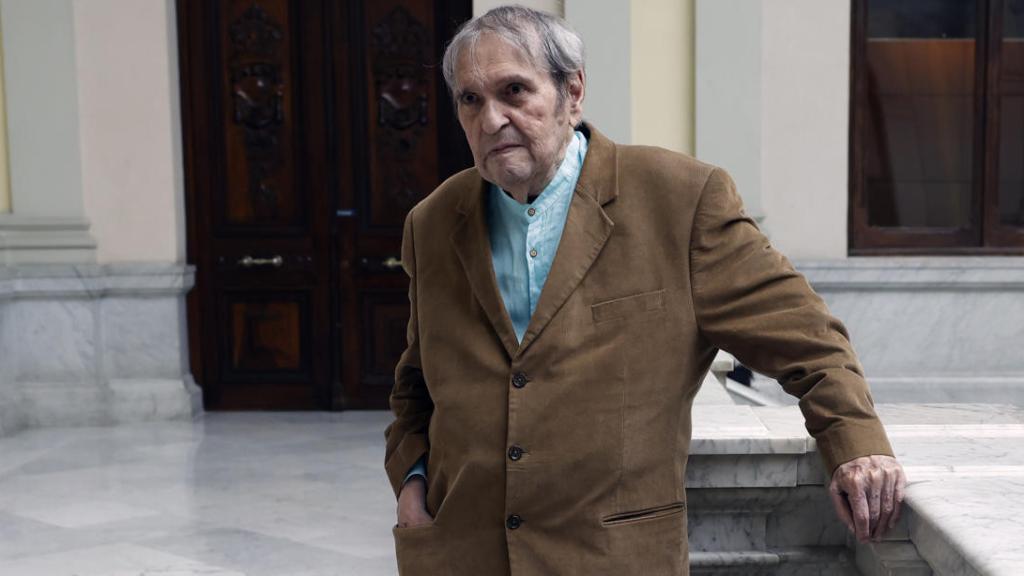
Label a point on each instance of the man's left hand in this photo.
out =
(867, 493)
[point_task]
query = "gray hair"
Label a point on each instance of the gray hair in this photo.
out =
(548, 40)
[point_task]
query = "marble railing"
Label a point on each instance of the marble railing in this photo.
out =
(757, 502)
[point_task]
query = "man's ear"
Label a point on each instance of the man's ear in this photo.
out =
(577, 90)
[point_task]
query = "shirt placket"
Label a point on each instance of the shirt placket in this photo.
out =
(533, 254)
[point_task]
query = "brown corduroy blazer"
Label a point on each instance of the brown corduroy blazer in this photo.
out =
(566, 454)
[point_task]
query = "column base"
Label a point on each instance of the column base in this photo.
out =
(39, 240)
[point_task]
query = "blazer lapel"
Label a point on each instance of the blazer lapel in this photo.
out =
(473, 246)
(587, 228)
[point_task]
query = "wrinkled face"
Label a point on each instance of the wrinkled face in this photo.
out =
(511, 114)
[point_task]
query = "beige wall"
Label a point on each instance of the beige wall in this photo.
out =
(129, 127)
(5, 177)
(552, 6)
(661, 64)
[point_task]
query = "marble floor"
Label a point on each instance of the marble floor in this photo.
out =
(275, 494)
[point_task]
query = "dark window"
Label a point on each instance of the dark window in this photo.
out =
(937, 126)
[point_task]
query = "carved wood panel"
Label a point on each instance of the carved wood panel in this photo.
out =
(310, 129)
(402, 82)
(259, 120)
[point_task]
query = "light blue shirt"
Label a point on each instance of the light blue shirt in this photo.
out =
(524, 239)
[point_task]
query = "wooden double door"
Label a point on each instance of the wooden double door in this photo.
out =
(310, 128)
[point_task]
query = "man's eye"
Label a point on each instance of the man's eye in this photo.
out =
(516, 89)
(468, 99)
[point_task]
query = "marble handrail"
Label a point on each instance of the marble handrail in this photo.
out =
(755, 487)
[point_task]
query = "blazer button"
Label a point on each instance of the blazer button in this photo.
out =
(514, 521)
(515, 452)
(519, 379)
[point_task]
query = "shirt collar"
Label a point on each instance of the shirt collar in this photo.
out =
(561, 184)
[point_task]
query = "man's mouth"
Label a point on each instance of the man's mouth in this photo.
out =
(503, 147)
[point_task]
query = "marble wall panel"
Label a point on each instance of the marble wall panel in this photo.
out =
(133, 400)
(141, 338)
(930, 329)
(891, 559)
(48, 404)
(8, 404)
(52, 340)
(724, 530)
(933, 332)
(804, 518)
(89, 344)
(741, 470)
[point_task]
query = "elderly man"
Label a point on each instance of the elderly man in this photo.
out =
(567, 297)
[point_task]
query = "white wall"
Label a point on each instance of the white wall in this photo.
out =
(605, 28)
(773, 109)
(130, 130)
(728, 93)
(552, 6)
(805, 130)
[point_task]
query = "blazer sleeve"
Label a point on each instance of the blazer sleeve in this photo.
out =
(406, 438)
(751, 302)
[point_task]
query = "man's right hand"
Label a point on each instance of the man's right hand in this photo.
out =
(412, 504)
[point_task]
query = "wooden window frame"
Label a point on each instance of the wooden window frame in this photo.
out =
(985, 234)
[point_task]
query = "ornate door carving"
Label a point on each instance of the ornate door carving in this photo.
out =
(310, 129)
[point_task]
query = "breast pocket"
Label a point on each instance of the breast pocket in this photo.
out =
(626, 307)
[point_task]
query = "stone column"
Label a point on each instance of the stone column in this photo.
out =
(5, 175)
(47, 221)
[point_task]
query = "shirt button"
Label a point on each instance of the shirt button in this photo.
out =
(519, 379)
(515, 452)
(514, 521)
(533, 253)
(532, 211)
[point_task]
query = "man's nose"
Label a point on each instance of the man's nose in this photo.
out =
(494, 117)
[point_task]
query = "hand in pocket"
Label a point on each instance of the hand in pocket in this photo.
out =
(412, 504)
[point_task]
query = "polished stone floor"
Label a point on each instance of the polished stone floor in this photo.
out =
(275, 494)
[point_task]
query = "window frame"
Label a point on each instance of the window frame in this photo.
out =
(985, 235)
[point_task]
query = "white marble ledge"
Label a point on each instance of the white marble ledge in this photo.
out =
(935, 441)
(913, 428)
(898, 273)
(969, 526)
(95, 280)
(736, 429)
(964, 463)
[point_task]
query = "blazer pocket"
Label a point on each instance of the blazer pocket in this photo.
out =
(627, 306)
(398, 528)
(633, 516)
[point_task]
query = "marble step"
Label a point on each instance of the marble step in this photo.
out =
(796, 561)
(891, 559)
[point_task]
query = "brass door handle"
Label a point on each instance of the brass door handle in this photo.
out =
(249, 261)
(392, 262)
